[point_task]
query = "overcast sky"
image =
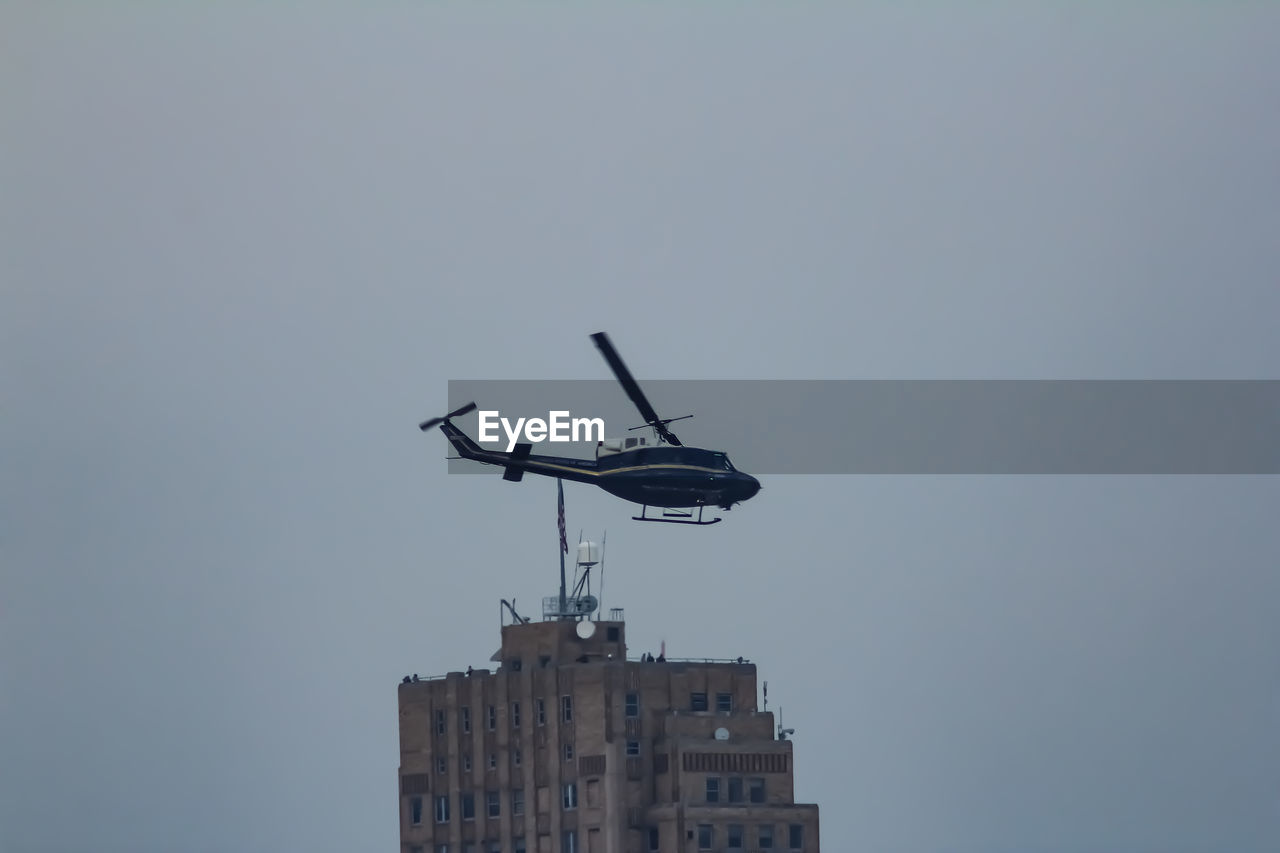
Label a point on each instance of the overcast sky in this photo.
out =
(243, 250)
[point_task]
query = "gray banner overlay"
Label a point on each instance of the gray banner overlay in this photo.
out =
(918, 426)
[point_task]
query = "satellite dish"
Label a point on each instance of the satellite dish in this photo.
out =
(722, 733)
(585, 629)
(588, 604)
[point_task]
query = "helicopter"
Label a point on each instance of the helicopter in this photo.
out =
(663, 473)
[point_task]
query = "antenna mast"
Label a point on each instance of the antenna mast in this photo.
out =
(602, 543)
(564, 547)
(782, 733)
(576, 603)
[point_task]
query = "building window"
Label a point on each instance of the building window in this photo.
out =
(736, 836)
(493, 761)
(541, 710)
(697, 701)
(724, 702)
(442, 848)
(612, 635)
(415, 810)
(735, 789)
(633, 747)
(517, 801)
(755, 788)
(492, 803)
(706, 836)
(764, 836)
(519, 842)
(417, 848)
(516, 665)
(515, 715)
(633, 705)
(466, 763)
(569, 841)
(440, 723)
(442, 809)
(795, 836)
(468, 806)
(713, 789)
(568, 752)
(464, 714)
(566, 709)
(515, 757)
(570, 795)
(442, 766)
(493, 717)
(495, 847)
(653, 839)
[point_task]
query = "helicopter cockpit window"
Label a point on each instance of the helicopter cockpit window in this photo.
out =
(722, 461)
(631, 442)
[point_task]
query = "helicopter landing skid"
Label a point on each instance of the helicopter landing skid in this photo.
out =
(671, 516)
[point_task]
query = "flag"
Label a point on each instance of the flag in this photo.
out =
(564, 541)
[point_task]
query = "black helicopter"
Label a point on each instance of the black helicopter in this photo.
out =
(664, 474)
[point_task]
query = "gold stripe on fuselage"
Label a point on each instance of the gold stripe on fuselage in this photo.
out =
(664, 465)
(598, 473)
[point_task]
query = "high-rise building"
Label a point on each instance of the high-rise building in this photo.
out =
(571, 746)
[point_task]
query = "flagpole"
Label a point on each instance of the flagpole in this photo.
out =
(563, 547)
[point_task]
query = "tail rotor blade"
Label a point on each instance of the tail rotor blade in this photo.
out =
(456, 413)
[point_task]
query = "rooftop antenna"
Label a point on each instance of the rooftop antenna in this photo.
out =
(564, 545)
(766, 696)
(582, 602)
(603, 537)
(517, 619)
(575, 603)
(782, 733)
(587, 557)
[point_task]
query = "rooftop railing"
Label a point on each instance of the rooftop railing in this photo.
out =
(645, 659)
(412, 679)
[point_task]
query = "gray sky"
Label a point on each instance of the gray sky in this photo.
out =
(244, 250)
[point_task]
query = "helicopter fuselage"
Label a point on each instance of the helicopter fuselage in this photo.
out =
(659, 476)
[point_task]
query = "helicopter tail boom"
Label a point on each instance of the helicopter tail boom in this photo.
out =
(519, 460)
(465, 447)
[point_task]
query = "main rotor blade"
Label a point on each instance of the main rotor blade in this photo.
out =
(632, 388)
